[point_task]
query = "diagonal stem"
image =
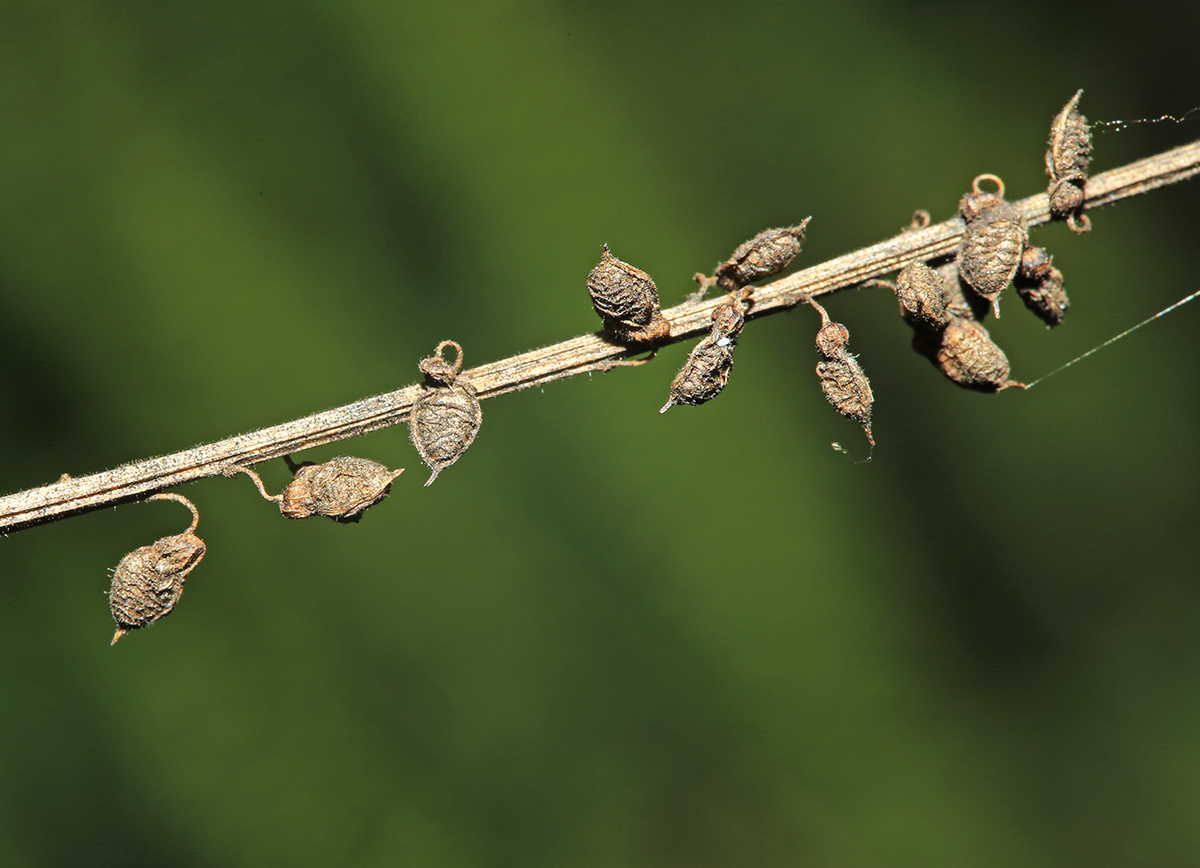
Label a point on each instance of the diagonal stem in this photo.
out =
(583, 354)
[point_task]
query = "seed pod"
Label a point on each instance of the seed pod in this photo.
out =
(148, 582)
(1044, 295)
(707, 368)
(993, 242)
(767, 253)
(627, 301)
(342, 488)
(966, 353)
(445, 419)
(842, 377)
(919, 290)
(1067, 158)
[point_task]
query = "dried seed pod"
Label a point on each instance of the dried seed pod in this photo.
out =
(919, 290)
(767, 253)
(148, 582)
(1067, 158)
(627, 300)
(1044, 295)
(993, 242)
(445, 419)
(342, 488)
(707, 368)
(966, 353)
(842, 377)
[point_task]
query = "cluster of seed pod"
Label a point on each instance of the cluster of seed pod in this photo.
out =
(148, 581)
(946, 328)
(342, 488)
(626, 300)
(707, 368)
(842, 377)
(443, 422)
(1067, 157)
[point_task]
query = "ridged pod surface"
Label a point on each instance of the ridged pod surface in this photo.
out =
(148, 581)
(342, 489)
(443, 422)
(919, 291)
(707, 368)
(1067, 157)
(993, 242)
(842, 378)
(626, 300)
(767, 253)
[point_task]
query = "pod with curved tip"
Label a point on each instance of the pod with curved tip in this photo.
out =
(443, 422)
(148, 581)
(1067, 157)
(993, 242)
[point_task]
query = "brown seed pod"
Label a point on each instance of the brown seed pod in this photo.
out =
(148, 582)
(966, 353)
(1044, 294)
(445, 419)
(627, 301)
(919, 290)
(993, 242)
(707, 368)
(342, 488)
(1067, 159)
(767, 253)
(842, 377)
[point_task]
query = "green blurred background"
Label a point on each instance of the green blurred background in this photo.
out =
(605, 636)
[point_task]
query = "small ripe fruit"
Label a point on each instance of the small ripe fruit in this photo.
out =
(627, 301)
(148, 582)
(707, 368)
(966, 353)
(993, 242)
(445, 419)
(1040, 286)
(767, 253)
(919, 290)
(1067, 159)
(342, 488)
(842, 377)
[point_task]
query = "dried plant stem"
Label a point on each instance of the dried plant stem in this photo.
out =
(592, 352)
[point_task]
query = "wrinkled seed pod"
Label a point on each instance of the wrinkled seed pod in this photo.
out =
(966, 353)
(1067, 158)
(767, 253)
(919, 290)
(148, 582)
(342, 488)
(445, 419)
(707, 368)
(993, 242)
(626, 300)
(1045, 295)
(842, 378)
